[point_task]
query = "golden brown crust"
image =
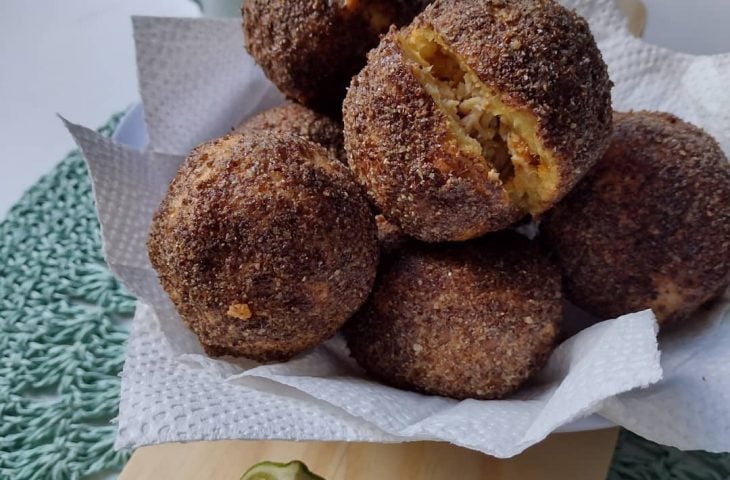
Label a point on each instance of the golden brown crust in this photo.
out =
(292, 118)
(649, 226)
(310, 49)
(401, 149)
(265, 245)
(472, 320)
(536, 55)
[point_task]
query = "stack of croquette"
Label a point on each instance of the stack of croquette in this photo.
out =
(387, 209)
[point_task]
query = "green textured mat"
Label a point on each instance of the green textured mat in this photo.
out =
(63, 324)
(639, 459)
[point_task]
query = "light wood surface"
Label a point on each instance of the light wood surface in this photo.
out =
(581, 456)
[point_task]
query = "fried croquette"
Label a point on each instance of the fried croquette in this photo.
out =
(292, 118)
(310, 49)
(649, 227)
(265, 245)
(477, 114)
(468, 320)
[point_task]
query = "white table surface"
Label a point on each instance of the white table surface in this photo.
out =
(76, 57)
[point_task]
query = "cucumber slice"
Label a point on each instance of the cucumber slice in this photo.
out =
(294, 470)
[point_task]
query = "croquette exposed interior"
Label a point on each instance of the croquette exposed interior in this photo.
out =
(504, 137)
(521, 110)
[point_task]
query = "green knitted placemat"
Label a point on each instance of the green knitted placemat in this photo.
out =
(63, 324)
(638, 459)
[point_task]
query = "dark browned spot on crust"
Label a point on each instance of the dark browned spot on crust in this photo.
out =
(390, 237)
(472, 320)
(311, 49)
(539, 84)
(292, 118)
(265, 244)
(649, 227)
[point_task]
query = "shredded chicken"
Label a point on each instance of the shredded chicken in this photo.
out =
(482, 123)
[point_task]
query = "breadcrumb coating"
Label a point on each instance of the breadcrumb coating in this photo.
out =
(265, 244)
(292, 118)
(649, 227)
(470, 320)
(310, 49)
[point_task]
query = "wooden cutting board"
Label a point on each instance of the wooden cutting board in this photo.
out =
(580, 456)
(583, 456)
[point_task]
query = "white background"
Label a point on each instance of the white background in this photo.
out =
(73, 57)
(76, 57)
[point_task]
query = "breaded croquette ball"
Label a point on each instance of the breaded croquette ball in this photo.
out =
(299, 120)
(477, 114)
(310, 49)
(649, 227)
(470, 320)
(265, 244)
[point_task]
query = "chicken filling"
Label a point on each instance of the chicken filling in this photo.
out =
(503, 137)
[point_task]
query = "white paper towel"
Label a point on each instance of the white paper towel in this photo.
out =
(197, 82)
